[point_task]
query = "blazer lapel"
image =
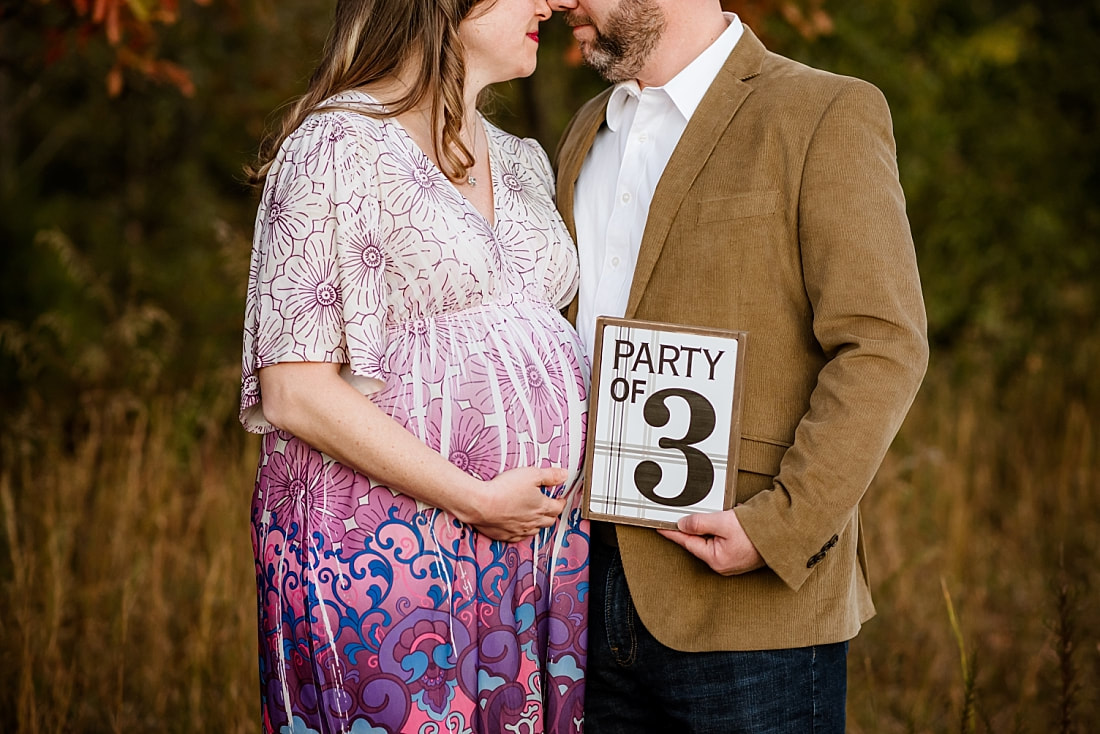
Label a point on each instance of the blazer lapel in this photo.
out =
(703, 131)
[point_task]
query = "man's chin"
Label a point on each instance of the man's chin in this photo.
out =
(609, 70)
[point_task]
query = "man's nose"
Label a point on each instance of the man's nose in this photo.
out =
(562, 5)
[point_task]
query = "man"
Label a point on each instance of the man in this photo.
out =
(718, 184)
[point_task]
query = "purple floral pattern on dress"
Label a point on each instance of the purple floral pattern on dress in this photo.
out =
(308, 296)
(379, 613)
(519, 191)
(300, 491)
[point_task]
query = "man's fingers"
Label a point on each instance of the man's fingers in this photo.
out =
(706, 523)
(693, 544)
(675, 536)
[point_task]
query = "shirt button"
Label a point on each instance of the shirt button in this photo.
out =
(626, 197)
(614, 262)
(643, 137)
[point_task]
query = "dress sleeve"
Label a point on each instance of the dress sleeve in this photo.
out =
(316, 288)
(562, 274)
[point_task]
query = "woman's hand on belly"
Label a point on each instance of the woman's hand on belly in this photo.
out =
(312, 401)
(513, 506)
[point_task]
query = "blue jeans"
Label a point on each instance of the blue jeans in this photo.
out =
(636, 685)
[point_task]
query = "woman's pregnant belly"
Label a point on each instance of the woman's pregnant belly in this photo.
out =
(491, 388)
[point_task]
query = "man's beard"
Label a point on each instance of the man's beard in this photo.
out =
(624, 44)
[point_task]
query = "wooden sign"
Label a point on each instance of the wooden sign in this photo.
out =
(664, 422)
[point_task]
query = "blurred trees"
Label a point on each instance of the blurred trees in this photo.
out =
(129, 26)
(124, 220)
(125, 224)
(996, 108)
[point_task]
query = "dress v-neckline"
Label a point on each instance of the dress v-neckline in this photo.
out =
(489, 152)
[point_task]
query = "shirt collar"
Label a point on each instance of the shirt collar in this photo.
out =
(686, 89)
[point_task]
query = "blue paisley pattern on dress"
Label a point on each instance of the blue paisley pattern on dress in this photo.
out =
(379, 613)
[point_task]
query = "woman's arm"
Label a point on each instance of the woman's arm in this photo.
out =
(312, 401)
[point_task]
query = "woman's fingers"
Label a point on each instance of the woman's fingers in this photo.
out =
(552, 476)
(520, 504)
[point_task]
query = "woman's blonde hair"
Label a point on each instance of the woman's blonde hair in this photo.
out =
(372, 41)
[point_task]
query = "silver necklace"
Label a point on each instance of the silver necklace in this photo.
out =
(470, 178)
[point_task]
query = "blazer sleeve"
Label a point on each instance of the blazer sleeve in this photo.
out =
(860, 274)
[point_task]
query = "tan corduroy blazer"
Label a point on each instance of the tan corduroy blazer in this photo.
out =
(780, 213)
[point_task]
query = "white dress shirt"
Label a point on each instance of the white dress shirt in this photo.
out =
(620, 174)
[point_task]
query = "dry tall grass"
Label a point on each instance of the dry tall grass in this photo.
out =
(991, 500)
(129, 606)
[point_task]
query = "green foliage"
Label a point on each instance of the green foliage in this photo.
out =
(995, 111)
(125, 221)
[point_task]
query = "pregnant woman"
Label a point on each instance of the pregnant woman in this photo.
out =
(420, 557)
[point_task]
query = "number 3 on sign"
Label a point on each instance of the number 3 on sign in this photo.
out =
(664, 428)
(700, 470)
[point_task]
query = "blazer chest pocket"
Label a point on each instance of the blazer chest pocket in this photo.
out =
(739, 206)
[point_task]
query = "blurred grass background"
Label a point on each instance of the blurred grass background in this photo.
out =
(125, 567)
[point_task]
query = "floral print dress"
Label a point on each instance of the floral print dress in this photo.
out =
(379, 613)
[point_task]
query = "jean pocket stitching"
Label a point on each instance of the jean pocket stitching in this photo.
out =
(629, 644)
(632, 657)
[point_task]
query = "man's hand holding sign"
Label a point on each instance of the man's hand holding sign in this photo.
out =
(717, 539)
